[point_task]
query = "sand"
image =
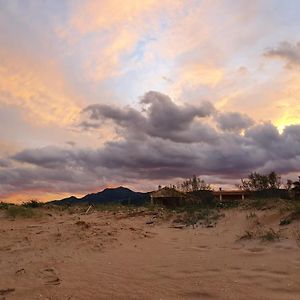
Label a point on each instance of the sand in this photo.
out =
(104, 255)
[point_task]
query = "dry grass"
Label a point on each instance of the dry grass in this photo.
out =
(270, 235)
(247, 235)
(15, 211)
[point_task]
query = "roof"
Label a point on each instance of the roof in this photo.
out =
(232, 192)
(167, 192)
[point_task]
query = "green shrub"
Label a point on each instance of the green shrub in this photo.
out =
(192, 214)
(15, 211)
(258, 203)
(294, 214)
(4, 205)
(261, 203)
(32, 204)
(296, 211)
(270, 236)
(228, 204)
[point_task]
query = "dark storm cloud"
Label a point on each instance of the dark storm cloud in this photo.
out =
(160, 117)
(188, 146)
(45, 157)
(264, 135)
(290, 53)
(233, 121)
(262, 147)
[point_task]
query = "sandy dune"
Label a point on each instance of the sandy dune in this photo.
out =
(110, 256)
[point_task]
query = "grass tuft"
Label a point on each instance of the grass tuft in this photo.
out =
(83, 224)
(270, 236)
(248, 235)
(251, 215)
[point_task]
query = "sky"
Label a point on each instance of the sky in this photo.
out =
(103, 93)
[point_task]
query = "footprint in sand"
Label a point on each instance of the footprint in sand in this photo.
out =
(197, 295)
(49, 277)
(200, 248)
(272, 273)
(262, 273)
(259, 269)
(203, 247)
(256, 249)
(213, 270)
(283, 247)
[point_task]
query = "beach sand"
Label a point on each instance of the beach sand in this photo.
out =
(109, 255)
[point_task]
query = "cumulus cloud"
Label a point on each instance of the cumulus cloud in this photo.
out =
(288, 52)
(160, 117)
(233, 121)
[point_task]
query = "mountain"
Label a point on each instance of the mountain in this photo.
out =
(120, 195)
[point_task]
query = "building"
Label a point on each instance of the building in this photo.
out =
(229, 195)
(168, 197)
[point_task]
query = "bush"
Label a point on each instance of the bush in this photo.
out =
(192, 214)
(15, 211)
(270, 236)
(259, 203)
(296, 211)
(248, 235)
(202, 198)
(83, 224)
(267, 236)
(4, 205)
(294, 214)
(271, 193)
(228, 204)
(32, 204)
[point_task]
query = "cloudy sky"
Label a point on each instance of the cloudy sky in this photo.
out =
(97, 93)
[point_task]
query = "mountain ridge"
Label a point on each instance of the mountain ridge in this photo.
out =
(118, 195)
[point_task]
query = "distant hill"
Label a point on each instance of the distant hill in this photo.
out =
(119, 195)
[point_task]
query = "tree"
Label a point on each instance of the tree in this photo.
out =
(274, 181)
(259, 182)
(289, 184)
(194, 184)
(296, 188)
